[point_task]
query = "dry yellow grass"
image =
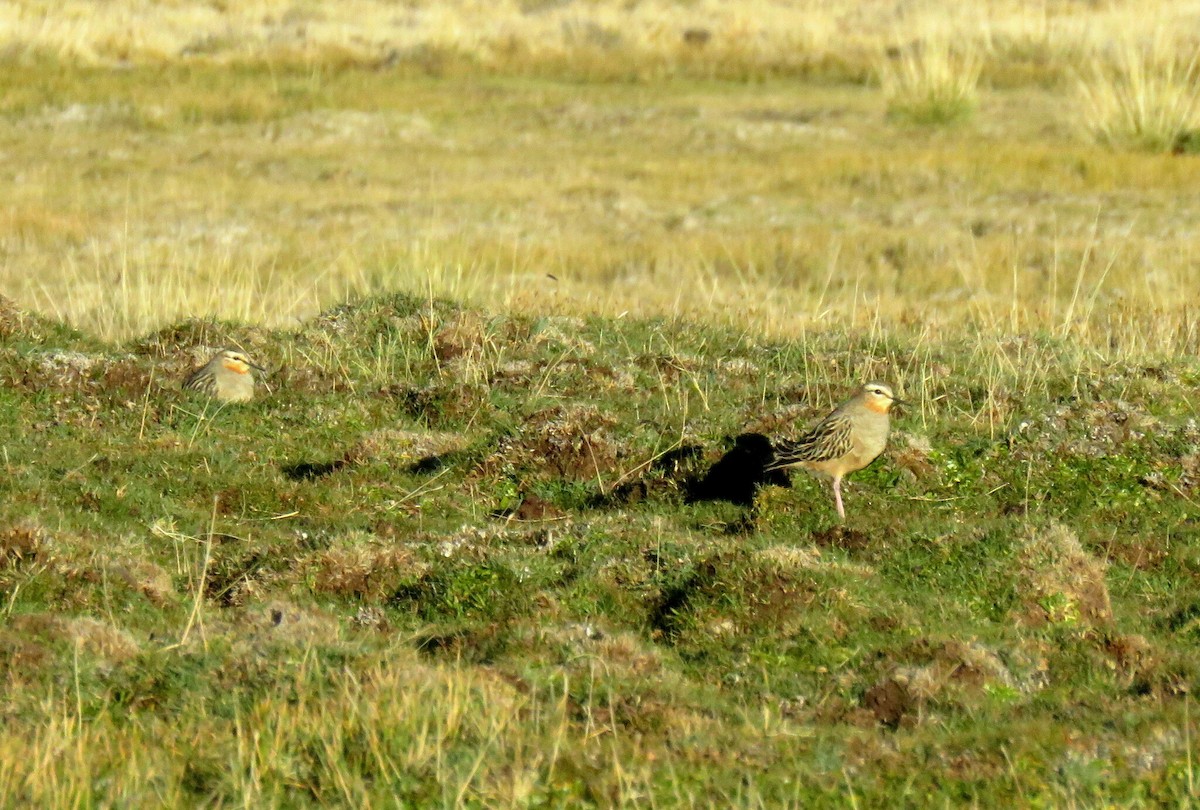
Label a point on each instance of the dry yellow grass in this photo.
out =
(262, 161)
(529, 32)
(730, 162)
(1143, 95)
(931, 82)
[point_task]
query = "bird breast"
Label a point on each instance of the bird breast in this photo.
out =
(870, 437)
(239, 388)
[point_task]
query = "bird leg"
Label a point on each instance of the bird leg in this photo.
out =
(837, 496)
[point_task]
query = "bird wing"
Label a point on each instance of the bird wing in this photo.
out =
(830, 439)
(201, 379)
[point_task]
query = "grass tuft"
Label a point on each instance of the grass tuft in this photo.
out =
(931, 82)
(1142, 97)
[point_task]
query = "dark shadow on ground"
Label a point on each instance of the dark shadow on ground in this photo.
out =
(738, 474)
(428, 465)
(666, 475)
(311, 470)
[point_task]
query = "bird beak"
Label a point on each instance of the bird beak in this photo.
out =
(257, 367)
(898, 401)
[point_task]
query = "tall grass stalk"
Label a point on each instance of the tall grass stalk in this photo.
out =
(931, 81)
(1141, 97)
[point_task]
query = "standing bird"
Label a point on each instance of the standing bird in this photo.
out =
(226, 377)
(848, 439)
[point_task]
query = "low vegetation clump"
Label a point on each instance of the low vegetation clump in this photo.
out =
(544, 585)
(931, 82)
(1144, 98)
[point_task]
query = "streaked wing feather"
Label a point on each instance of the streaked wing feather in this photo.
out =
(201, 380)
(830, 439)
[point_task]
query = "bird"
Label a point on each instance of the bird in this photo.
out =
(849, 438)
(226, 377)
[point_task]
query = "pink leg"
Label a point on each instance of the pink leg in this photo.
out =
(837, 496)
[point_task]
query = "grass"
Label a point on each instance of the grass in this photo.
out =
(1146, 98)
(533, 294)
(930, 83)
(1027, 42)
(783, 206)
(483, 581)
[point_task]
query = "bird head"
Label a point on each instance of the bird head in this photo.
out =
(879, 397)
(237, 362)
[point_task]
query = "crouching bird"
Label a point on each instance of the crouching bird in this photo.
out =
(226, 377)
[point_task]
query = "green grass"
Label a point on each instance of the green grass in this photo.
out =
(453, 554)
(332, 595)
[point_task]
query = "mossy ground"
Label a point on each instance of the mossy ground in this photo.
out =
(459, 557)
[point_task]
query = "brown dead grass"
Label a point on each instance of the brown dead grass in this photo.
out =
(402, 446)
(956, 673)
(95, 636)
(910, 452)
(443, 405)
(1062, 582)
(563, 441)
(364, 568)
(11, 318)
(280, 622)
(463, 345)
(151, 580)
(605, 38)
(23, 544)
(21, 657)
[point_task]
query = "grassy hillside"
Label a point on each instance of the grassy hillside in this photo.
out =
(537, 283)
(464, 557)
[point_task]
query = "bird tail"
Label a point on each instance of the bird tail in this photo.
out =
(784, 454)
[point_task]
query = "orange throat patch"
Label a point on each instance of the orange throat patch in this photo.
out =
(878, 407)
(236, 368)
